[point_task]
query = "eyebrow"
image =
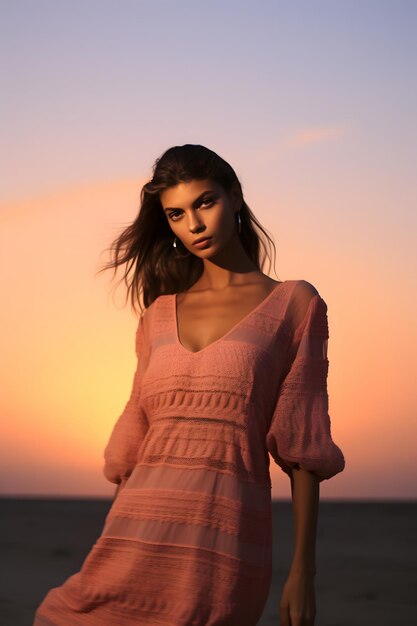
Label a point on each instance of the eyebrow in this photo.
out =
(195, 203)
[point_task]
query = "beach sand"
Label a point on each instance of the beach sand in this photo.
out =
(366, 557)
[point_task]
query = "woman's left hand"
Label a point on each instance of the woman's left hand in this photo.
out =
(297, 605)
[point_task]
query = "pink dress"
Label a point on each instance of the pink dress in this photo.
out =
(188, 540)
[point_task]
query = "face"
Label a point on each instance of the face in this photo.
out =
(201, 208)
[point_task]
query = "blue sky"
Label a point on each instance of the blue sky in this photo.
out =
(100, 88)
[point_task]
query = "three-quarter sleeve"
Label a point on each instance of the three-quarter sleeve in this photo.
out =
(299, 432)
(120, 453)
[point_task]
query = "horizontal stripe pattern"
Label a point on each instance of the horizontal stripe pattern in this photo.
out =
(207, 509)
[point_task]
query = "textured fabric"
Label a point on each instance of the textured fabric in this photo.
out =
(188, 539)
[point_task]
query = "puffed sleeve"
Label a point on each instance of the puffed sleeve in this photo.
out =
(299, 432)
(120, 454)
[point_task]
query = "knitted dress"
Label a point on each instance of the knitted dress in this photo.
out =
(188, 539)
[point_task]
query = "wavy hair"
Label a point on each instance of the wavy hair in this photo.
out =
(145, 247)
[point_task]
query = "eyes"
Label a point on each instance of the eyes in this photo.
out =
(208, 202)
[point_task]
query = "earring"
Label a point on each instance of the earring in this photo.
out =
(239, 221)
(176, 247)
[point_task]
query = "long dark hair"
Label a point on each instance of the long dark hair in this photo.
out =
(146, 244)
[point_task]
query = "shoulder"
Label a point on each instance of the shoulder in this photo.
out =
(156, 316)
(303, 290)
(304, 299)
(160, 301)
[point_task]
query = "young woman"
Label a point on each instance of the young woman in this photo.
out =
(231, 365)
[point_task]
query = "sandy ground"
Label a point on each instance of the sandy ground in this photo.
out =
(366, 557)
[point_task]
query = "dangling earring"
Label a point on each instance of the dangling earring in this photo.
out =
(176, 247)
(239, 221)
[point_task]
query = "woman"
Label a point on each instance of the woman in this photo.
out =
(231, 365)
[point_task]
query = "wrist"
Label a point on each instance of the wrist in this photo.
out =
(302, 569)
(304, 566)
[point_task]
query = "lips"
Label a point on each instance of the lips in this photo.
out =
(201, 240)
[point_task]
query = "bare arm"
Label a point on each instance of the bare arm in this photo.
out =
(298, 602)
(305, 491)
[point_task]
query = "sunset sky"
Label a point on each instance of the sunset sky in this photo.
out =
(314, 105)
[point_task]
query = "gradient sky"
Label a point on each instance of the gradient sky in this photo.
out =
(314, 105)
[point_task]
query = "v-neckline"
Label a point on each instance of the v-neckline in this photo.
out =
(229, 332)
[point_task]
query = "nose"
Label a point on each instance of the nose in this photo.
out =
(195, 224)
